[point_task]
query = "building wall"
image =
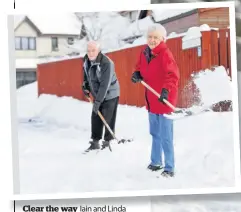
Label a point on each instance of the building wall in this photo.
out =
(44, 46)
(181, 25)
(43, 43)
(215, 17)
(25, 30)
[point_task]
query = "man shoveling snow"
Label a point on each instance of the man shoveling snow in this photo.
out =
(100, 80)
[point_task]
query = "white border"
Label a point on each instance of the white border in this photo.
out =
(235, 93)
(216, 190)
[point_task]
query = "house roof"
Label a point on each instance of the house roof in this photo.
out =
(57, 24)
(164, 14)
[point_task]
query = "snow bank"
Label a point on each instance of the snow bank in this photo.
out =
(214, 86)
(52, 146)
(27, 100)
(193, 32)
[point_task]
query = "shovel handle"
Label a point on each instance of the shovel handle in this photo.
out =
(158, 95)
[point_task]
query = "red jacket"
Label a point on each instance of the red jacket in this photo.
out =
(160, 72)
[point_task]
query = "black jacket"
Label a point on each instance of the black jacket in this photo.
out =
(101, 78)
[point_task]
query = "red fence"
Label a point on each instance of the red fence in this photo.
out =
(64, 78)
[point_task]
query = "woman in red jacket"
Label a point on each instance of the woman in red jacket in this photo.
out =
(157, 67)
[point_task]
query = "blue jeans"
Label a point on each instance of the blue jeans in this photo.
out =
(161, 130)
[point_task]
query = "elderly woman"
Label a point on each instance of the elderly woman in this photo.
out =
(157, 67)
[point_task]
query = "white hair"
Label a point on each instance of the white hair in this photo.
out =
(94, 43)
(158, 27)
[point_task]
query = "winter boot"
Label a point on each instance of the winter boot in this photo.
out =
(154, 168)
(105, 144)
(167, 174)
(94, 145)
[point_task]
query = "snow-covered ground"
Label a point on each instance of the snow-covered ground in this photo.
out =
(51, 159)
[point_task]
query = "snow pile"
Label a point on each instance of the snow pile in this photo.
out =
(163, 14)
(214, 86)
(204, 27)
(192, 33)
(27, 100)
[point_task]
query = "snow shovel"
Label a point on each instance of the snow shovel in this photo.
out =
(108, 127)
(183, 111)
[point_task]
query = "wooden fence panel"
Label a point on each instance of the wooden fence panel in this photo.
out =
(223, 48)
(206, 50)
(64, 78)
(214, 48)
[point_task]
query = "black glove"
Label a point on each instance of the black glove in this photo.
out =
(96, 107)
(164, 95)
(86, 89)
(136, 77)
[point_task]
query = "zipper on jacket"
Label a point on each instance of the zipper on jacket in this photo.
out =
(90, 78)
(148, 104)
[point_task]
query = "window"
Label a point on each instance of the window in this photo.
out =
(70, 40)
(25, 76)
(32, 43)
(54, 44)
(17, 43)
(25, 43)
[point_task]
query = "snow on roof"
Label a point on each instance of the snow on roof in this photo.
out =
(163, 14)
(26, 63)
(64, 23)
(192, 32)
(17, 20)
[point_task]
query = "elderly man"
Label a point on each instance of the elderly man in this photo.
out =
(157, 67)
(100, 80)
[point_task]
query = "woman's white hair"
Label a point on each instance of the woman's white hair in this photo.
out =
(158, 27)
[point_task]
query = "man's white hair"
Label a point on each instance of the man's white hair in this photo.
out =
(94, 43)
(158, 27)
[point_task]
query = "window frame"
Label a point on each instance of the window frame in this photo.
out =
(28, 43)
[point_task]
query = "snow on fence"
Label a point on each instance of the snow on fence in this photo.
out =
(64, 78)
